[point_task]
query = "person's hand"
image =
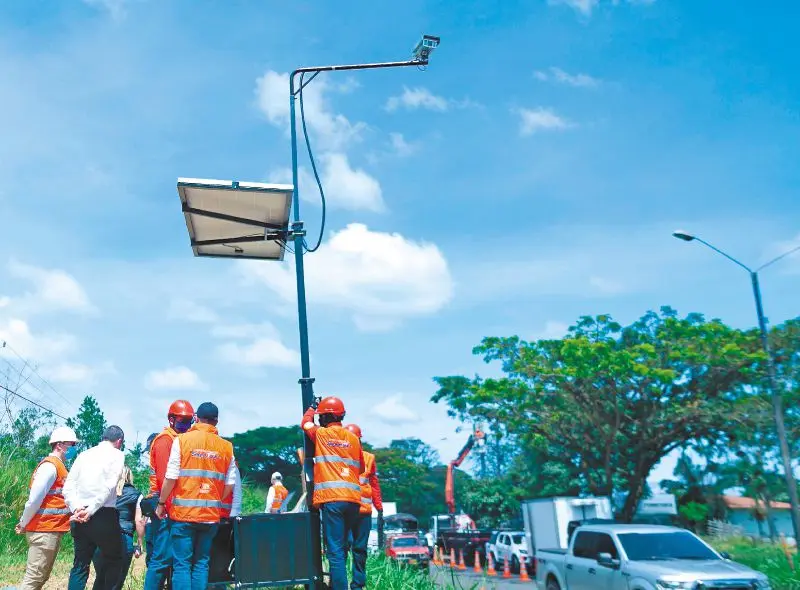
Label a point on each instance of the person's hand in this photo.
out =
(161, 510)
(137, 551)
(18, 529)
(80, 515)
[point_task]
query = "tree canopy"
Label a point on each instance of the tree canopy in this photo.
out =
(608, 402)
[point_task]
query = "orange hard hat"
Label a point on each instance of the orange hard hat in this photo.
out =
(354, 429)
(181, 408)
(331, 405)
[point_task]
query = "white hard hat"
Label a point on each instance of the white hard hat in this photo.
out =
(276, 475)
(63, 434)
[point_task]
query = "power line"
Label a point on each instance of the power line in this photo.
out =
(35, 370)
(23, 379)
(30, 401)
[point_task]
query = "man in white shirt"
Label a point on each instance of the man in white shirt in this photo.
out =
(91, 496)
(45, 518)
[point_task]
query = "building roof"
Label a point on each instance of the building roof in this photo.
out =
(742, 503)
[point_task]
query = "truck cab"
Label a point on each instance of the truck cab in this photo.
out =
(640, 557)
(510, 546)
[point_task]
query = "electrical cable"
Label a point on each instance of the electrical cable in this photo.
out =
(26, 364)
(30, 401)
(314, 168)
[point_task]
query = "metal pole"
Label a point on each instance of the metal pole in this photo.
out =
(306, 381)
(777, 410)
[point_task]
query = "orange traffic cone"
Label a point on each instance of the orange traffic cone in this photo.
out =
(491, 571)
(435, 560)
(461, 564)
(452, 558)
(506, 568)
(477, 567)
(523, 573)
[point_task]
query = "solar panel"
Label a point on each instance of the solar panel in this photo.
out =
(231, 219)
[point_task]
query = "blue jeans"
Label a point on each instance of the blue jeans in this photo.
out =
(191, 554)
(339, 520)
(359, 546)
(161, 560)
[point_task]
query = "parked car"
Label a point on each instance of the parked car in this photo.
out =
(640, 557)
(408, 548)
(510, 545)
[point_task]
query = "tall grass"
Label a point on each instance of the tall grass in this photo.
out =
(766, 558)
(15, 475)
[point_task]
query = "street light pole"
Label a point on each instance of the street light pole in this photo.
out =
(772, 380)
(298, 236)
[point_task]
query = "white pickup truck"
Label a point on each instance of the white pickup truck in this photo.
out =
(641, 557)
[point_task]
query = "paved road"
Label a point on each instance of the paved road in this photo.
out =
(466, 580)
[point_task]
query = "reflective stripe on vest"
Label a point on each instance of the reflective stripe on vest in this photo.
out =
(281, 493)
(53, 514)
(337, 465)
(205, 461)
(366, 488)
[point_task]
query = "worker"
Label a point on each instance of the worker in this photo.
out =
(147, 520)
(90, 493)
(338, 463)
(277, 495)
(370, 497)
(128, 500)
(45, 517)
(202, 473)
(179, 418)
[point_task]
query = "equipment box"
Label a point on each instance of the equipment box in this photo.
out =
(266, 550)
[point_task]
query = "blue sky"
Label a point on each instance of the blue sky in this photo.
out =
(533, 174)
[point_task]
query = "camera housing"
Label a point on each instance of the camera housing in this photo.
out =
(425, 47)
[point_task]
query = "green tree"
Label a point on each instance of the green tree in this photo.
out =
(611, 401)
(416, 488)
(89, 423)
(416, 451)
(262, 451)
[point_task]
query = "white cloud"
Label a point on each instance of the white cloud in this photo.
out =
(379, 278)
(393, 411)
(116, 8)
(562, 77)
(173, 378)
(235, 331)
(417, 98)
(55, 290)
(552, 331)
(332, 131)
(260, 352)
(37, 347)
(346, 187)
(540, 119)
(400, 146)
(77, 373)
(585, 7)
(191, 311)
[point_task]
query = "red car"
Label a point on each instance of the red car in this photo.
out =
(408, 549)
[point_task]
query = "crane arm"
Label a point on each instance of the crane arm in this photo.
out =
(449, 484)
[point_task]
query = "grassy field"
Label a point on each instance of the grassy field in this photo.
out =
(766, 558)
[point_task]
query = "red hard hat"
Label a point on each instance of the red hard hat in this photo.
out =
(354, 429)
(181, 408)
(331, 405)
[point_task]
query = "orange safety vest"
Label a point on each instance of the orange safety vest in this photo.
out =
(169, 432)
(53, 514)
(337, 466)
(205, 460)
(366, 488)
(281, 493)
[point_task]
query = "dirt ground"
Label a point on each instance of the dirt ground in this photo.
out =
(11, 575)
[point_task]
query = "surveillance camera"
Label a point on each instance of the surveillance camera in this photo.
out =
(425, 47)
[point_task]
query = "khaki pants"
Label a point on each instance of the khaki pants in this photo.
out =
(42, 551)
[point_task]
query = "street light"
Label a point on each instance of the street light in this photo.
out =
(251, 220)
(777, 399)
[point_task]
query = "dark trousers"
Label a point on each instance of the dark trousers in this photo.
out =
(101, 531)
(360, 539)
(127, 557)
(339, 520)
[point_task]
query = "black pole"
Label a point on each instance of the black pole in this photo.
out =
(777, 410)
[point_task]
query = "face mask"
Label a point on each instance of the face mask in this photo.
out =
(182, 426)
(70, 453)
